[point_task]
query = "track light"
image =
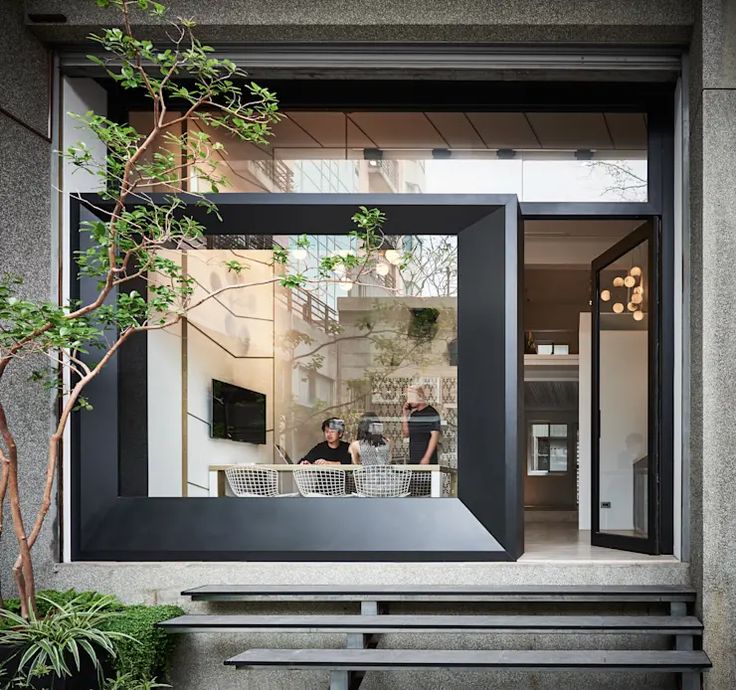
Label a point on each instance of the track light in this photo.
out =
(584, 154)
(441, 154)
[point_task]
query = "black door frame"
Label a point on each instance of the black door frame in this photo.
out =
(656, 468)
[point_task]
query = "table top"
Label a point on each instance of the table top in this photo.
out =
(291, 468)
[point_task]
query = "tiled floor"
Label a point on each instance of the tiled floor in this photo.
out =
(562, 541)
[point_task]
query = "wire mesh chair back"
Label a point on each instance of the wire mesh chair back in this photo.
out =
(320, 481)
(421, 484)
(384, 481)
(253, 481)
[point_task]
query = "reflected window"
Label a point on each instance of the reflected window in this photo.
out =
(591, 156)
(548, 448)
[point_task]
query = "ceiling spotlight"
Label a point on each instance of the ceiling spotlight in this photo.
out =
(584, 154)
(618, 308)
(635, 271)
(382, 268)
(638, 316)
(631, 306)
(373, 154)
(636, 298)
(605, 295)
(505, 154)
(639, 290)
(618, 281)
(441, 154)
(629, 281)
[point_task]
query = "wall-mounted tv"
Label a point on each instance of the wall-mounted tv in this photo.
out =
(238, 414)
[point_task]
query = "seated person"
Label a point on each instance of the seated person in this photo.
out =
(371, 447)
(333, 450)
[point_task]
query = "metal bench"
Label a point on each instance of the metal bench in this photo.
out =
(348, 665)
(341, 662)
(370, 625)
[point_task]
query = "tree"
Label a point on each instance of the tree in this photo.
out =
(133, 237)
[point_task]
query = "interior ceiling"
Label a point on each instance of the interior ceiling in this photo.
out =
(551, 395)
(613, 230)
(468, 130)
(565, 244)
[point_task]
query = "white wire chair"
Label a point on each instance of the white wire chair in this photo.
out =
(421, 484)
(251, 481)
(320, 481)
(384, 481)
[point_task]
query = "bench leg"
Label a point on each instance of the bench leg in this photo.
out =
(684, 643)
(690, 681)
(678, 608)
(368, 608)
(339, 680)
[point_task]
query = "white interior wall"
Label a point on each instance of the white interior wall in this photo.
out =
(164, 412)
(623, 413)
(221, 343)
(584, 421)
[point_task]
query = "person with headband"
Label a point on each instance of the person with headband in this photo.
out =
(421, 424)
(333, 450)
(371, 447)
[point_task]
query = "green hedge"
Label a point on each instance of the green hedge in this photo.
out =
(143, 659)
(149, 656)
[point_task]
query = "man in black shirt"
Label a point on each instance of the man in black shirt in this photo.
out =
(333, 450)
(420, 422)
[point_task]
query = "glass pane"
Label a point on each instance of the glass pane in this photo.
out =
(592, 156)
(623, 304)
(252, 375)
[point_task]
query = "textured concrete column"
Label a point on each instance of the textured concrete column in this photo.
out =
(716, 119)
(25, 249)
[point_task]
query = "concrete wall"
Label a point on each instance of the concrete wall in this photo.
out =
(25, 223)
(655, 21)
(714, 253)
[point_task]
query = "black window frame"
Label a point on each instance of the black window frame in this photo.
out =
(656, 100)
(485, 520)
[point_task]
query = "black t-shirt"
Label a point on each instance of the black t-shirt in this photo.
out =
(421, 425)
(322, 451)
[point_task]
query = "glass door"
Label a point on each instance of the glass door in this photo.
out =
(625, 395)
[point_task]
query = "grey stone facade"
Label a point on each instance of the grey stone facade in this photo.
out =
(28, 244)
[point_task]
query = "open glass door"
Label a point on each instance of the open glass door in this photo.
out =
(625, 395)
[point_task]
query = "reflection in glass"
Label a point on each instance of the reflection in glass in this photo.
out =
(623, 449)
(356, 355)
(594, 156)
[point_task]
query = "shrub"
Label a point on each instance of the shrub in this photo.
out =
(147, 654)
(142, 650)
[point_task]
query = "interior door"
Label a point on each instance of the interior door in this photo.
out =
(625, 393)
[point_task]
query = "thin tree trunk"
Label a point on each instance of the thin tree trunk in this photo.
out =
(23, 569)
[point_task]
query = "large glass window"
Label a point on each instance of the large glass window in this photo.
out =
(347, 371)
(539, 156)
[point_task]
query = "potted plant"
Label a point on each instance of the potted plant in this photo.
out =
(67, 648)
